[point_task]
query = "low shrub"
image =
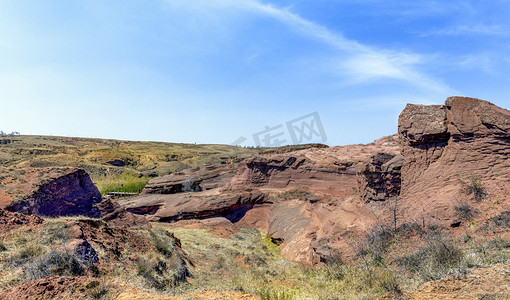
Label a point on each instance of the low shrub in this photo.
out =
(377, 243)
(55, 263)
(24, 251)
(475, 188)
(294, 194)
(163, 242)
(280, 293)
(465, 212)
(160, 273)
(98, 290)
(164, 268)
(434, 261)
(498, 244)
(502, 220)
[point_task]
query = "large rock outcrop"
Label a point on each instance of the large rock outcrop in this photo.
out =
(70, 193)
(200, 205)
(445, 148)
(116, 215)
(292, 171)
(329, 170)
(191, 180)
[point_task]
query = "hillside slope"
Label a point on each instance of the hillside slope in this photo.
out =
(100, 156)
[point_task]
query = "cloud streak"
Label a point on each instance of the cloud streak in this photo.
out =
(363, 62)
(359, 62)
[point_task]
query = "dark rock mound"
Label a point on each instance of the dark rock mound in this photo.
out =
(70, 194)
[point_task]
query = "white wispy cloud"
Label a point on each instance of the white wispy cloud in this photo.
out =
(362, 62)
(359, 62)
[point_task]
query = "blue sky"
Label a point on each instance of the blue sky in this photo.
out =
(212, 71)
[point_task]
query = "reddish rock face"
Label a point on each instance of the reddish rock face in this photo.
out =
(292, 226)
(339, 193)
(294, 170)
(69, 194)
(116, 215)
(183, 206)
(191, 180)
(379, 178)
(445, 145)
(56, 192)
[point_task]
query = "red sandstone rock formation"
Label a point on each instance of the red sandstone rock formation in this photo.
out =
(116, 215)
(175, 207)
(446, 145)
(191, 180)
(379, 178)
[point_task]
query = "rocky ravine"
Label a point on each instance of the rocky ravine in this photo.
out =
(337, 194)
(322, 209)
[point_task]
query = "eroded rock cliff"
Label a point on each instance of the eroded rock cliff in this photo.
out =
(448, 146)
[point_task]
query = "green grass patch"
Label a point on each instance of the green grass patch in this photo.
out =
(125, 183)
(295, 194)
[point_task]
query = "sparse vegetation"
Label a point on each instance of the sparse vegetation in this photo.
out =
(61, 263)
(295, 194)
(24, 251)
(98, 290)
(377, 243)
(126, 182)
(164, 269)
(439, 258)
(465, 212)
(156, 272)
(248, 261)
(475, 188)
(100, 157)
(502, 220)
(55, 233)
(280, 293)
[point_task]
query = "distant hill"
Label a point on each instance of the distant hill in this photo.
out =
(101, 156)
